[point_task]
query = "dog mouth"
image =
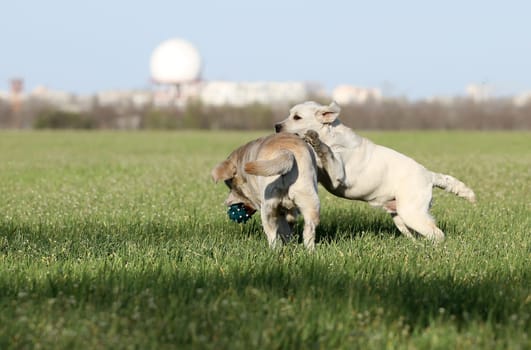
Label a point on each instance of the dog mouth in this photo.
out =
(249, 209)
(235, 201)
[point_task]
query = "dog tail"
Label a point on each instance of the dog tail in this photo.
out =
(279, 165)
(452, 185)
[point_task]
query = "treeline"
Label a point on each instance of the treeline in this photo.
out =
(498, 114)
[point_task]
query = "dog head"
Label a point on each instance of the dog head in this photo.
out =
(308, 116)
(239, 190)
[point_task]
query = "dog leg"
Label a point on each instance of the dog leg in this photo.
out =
(308, 234)
(399, 223)
(270, 225)
(331, 165)
(422, 223)
(413, 208)
(310, 213)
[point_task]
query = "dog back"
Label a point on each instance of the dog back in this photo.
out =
(278, 154)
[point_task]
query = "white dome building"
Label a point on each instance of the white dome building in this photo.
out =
(175, 61)
(176, 68)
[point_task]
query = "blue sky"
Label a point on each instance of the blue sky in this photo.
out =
(412, 48)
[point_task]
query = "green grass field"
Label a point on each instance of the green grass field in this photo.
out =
(120, 240)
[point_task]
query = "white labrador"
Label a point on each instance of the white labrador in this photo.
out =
(353, 167)
(277, 175)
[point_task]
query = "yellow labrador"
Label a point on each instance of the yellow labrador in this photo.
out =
(277, 175)
(353, 167)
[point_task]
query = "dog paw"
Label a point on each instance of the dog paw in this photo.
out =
(312, 138)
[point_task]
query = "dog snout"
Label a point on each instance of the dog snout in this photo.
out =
(278, 127)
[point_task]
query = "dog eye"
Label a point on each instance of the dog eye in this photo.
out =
(297, 117)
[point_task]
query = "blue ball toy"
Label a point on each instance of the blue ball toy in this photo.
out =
(240, 213)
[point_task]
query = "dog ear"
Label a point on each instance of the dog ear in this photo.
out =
(223, 171)
(328, 114)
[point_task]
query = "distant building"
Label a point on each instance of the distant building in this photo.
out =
(175, 67)
(348, 94)
(17, 89)
(522, 99)
(479, 92)
(441, 100)
(210, 93)
(4, 95)
(219, 93)
(175, 95)
(124, 98)
(60, 99)
(176, 72)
